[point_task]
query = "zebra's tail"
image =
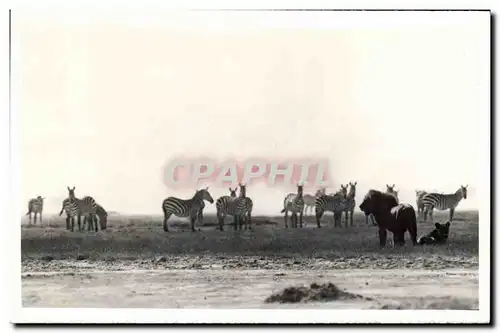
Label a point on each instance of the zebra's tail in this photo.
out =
(62, 209)
(283, 210)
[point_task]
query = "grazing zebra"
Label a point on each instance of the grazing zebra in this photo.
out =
(333, 203)
(310, 200)
(184, 208)
(390, 190)
(35, 206)
(420, 204)
(73, 206)
(243, 209)
(103, 219)
(443, 202)
(294, 202)
(225, 206)
(350, 203)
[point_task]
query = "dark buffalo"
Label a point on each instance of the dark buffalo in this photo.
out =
(437, 236)
(389, 215)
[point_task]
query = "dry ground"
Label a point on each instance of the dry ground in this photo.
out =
(211, 268)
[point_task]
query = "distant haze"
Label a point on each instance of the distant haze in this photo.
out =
(106, 100)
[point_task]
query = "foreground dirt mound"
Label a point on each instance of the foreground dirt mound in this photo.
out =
(315, 293)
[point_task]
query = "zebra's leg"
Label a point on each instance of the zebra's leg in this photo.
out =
(193, 220)
(452, 211)
(249, 216)
(68, 226)
(41, 217)
(319, 214)
(431, 217)
(79, 222)
(200, 217)
(35, 218)
(72, 223)
(294, 220)
(166, 216)
(300, 218)
(286, 219)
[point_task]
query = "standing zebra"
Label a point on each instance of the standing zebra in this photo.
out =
(295, 204)
(390, 190)
(334, 203)
(443, 202)
(73, 206)
(225, 206)
(310, 200)
(35, 206)
(243, 209)
(184, 208)
(103, 219)
(350, 203)
(420, 204)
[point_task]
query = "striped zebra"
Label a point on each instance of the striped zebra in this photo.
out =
(76, 207)
(420, 204)
(35, 206)
(350, 203)
(310, 200)
(243, 209)
(103, 219)
(294, 203)
(443, 202)
(390, 190)
(224, 206)
(333, 203)
(185, 208)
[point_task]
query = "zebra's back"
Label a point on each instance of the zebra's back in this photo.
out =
(225, 204)
(178, 207)
(293, 203)
(440, 201)
(331, 203)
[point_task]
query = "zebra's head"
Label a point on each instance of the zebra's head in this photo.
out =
(343, 190)
(39, 198)
(300, 189)
(71, 192)
(390, 189)
(203, 194)
(321, 191)
(243, 190)
(233, 192)
(352, 189)
(463, 191)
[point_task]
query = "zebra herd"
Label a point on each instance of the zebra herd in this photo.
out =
(74, 207)
(240, 207)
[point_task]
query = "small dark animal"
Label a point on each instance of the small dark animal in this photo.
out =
(439, 235)
(397, 218)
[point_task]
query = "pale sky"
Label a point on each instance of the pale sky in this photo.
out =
(106, 99)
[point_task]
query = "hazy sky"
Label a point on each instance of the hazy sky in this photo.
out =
(105, 100)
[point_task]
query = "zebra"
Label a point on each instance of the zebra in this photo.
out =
(224, 206)
(35, 206)
(243, 206)
(443, 202)
(103, 219)
(390, 190)
(184, 208)
(420, 205)
(309, 200)
(294, 202)
(334, 203)
(350, 203)
(73, 206)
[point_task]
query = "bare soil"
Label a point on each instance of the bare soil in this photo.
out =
(134, 263)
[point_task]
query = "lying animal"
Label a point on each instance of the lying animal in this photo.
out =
(439, 235)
